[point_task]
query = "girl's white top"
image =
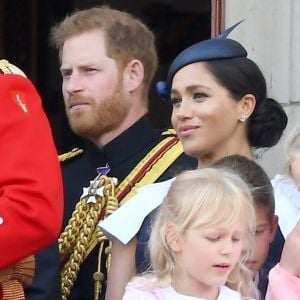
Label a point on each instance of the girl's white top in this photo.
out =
(287, 203)
(126, 221)
(140, 289)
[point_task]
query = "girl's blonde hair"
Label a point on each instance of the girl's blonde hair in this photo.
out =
(292, 147)
(208, 198)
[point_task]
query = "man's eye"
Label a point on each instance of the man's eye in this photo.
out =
(66, 74)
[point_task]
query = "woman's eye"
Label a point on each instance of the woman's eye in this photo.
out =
(199, 96)
(175, 101)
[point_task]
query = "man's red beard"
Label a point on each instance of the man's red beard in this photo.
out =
(100, 117)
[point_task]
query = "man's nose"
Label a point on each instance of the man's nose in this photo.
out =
(73, 83)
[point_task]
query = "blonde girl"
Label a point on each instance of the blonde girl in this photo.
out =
(200, 240)
(287, 185)
(292, 152)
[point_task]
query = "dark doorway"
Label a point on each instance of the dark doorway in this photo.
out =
(24, 40)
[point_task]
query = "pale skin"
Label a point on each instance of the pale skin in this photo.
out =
(124, 256)
(265, 231)
(284, 281)
(198, 251)
(199, 102)
(295, 169)
(91, 77)
(290, 254)
(205, 116)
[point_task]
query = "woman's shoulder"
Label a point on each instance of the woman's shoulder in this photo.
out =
(142, 289)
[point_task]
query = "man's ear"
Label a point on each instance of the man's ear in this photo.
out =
(133, 75)
(247, 106)
(172, 238)
(273, 227)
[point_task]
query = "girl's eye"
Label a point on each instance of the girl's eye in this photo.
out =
(213, 238)
(236, 239)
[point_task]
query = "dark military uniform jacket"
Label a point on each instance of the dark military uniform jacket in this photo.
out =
(122, 155)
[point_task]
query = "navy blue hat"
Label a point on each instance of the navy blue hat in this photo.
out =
(217, 48)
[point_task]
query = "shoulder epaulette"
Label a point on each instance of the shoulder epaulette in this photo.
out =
(7, 68)
(68, 155)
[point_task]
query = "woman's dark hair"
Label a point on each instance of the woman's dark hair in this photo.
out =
(241, 76)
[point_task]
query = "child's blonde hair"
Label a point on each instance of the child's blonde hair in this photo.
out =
(292, 147)
(208, 198)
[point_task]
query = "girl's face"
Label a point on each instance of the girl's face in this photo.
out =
(295, 169)
(204, 258)
(205, 116)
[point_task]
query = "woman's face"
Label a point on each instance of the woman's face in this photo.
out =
(205, 116)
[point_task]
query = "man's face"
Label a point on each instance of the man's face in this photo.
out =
(92, 86)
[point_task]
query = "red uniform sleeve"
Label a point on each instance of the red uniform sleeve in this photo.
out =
(31, 196)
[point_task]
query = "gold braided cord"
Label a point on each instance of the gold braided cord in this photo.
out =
(151, 176)
(82, 224)
(75, 224)
(85, 237)
(73, 153)
(111, 206)
(71, 268)
(98, 276)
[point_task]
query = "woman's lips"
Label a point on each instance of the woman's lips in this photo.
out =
(186, 131)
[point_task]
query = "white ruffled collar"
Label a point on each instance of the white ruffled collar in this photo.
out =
(126, 221)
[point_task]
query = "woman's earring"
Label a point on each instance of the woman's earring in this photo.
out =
(242, 118)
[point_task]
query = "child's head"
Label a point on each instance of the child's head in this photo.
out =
(205, 221)
(292, 151)
(264, 204)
